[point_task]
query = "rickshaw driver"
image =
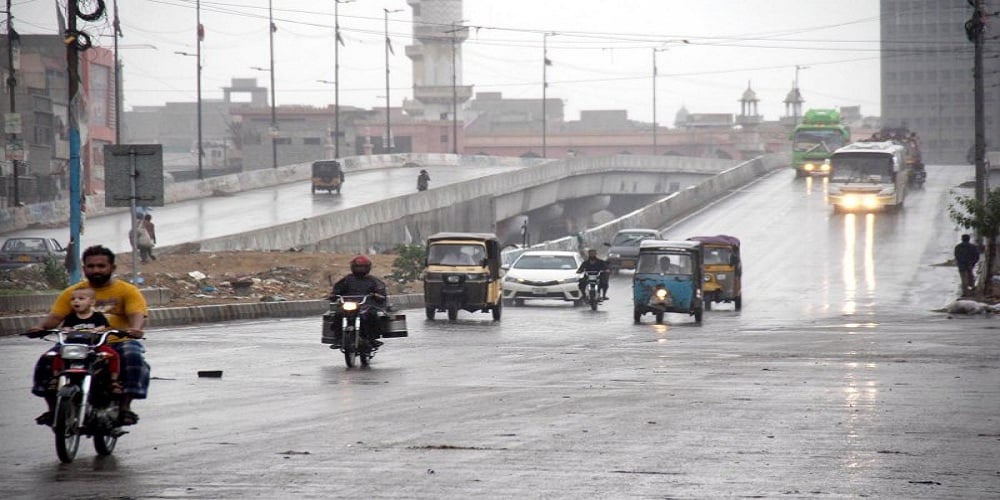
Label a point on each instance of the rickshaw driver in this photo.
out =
(594, 264)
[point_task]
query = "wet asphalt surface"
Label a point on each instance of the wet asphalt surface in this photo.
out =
(835, 380)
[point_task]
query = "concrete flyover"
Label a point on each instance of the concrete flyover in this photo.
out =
(470, 206)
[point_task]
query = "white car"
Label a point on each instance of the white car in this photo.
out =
(543, 274)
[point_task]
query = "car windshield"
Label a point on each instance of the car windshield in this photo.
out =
(652, 263)
(875, 168)
(808, 141)
(546, 262)
(24, 245)
(456, 254)
(629, 239)
(717, 255)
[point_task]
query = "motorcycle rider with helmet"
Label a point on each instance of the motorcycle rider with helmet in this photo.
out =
(594, 264)
(360, 283)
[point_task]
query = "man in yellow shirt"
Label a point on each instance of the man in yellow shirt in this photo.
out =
(125, 307)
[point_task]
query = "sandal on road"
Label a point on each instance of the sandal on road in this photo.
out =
(128, 417)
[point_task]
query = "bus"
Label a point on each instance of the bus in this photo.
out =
(868, 177)
(815, 139)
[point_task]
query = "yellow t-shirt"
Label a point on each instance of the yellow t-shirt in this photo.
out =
(116, 301)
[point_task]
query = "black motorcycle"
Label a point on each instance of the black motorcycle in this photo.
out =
(85, 403)
(359, 346)
(593, 289)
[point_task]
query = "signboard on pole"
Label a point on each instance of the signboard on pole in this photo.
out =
(12, 123)
(140, 165)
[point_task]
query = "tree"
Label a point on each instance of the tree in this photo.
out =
(983, 217)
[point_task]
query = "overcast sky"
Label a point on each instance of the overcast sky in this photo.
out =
(601, 53)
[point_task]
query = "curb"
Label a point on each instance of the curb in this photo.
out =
(175, 316)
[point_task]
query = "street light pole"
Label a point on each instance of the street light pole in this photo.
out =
(336, 76)
(118, 94)
(388, 114)
(274, 118)
(545, 86)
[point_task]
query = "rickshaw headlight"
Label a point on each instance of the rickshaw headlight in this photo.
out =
(453, 278)
(708, 278)
(661, 293)
(476, 277)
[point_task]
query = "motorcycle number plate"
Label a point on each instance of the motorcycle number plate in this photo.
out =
(538, 291)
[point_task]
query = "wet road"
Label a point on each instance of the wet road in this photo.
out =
(196, 220)
(835, 380)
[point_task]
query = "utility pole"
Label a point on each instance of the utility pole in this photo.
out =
(336, 77)
(974, 31)
(117, 27)
(201, 34)
(454, 85)
(388, 114)
(274, 119)
(73, 83)
(545, 86)
(12, 37)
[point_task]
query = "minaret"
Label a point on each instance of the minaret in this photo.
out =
(748, 108)
(437, 59)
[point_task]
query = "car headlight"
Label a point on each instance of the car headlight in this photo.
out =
(568, 280)
(870, 201)
(851, 201)
(808, 167)
(74, 351)
(825, 167)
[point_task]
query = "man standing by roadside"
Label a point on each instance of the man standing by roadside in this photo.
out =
(966, 257)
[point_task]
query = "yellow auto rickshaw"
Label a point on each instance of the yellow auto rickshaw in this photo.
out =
(462, 271)
(327, 175)
(723, 270)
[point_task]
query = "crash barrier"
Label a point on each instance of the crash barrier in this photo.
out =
(57, 212)
(176, 316)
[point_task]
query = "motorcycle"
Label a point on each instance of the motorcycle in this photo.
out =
(85, 404)
(358, 346)
(593, 289)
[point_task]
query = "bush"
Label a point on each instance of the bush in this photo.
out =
(409, 263)
(55, 274)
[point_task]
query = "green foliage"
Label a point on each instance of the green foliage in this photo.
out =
(55, 274)
(409, 263)
(983, 217)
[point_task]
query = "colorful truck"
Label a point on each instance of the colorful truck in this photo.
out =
(816, 138)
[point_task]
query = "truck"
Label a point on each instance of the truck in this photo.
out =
(816, 138)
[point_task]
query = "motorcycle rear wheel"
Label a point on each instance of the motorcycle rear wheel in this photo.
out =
(67, 428)
(593, 300)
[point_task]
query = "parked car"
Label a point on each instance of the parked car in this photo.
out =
(543, 274)
(624, 248)
(17, 252)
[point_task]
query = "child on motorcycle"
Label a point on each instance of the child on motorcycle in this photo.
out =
(85, 318)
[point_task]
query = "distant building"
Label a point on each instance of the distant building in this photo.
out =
(927, 79)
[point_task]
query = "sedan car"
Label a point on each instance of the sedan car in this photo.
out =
(17, 252)
(624, 251)
(543, 274)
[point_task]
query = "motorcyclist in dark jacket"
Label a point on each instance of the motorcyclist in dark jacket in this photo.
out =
(423, 180)
(594, 264)
(360, 284)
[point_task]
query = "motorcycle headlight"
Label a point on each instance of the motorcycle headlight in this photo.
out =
(74, 351)
(350, 306)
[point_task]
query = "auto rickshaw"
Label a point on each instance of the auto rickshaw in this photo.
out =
(327, 175)
(462, 271)
(723, 270)
(668, 279)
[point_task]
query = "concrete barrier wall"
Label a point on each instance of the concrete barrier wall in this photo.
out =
(43, 301)
(57, 212)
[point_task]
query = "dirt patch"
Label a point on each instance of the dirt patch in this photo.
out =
(231, 277)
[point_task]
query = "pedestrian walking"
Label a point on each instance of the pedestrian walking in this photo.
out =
(423, 180)
(966, 257)
(141, 240)
(147, 222)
